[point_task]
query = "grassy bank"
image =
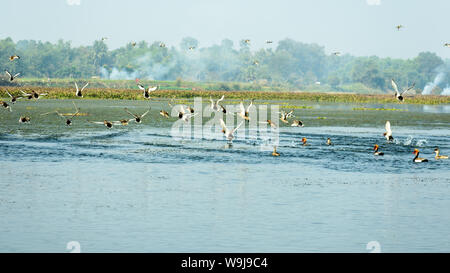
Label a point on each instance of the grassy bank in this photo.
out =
(136, 94)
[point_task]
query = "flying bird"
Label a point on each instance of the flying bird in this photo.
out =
(11, 77)
(388, 133)
(104, 38)
(147, 91)
(337, 53)
(133, 44)
(137, 118)
(215, 105)
(24, 119)
(284, 116)
(13, 57)
(297, 123)
(399, 27)
(447, 44)
(13, 98)
(399, 95)
(271, 123)
(191, 48)
(162, 45)
(79, 92)
(108, 124)
(34, 95)
(5, 105)
(244, 113)
(229, 134)
(182, 114)
(69, 120)
(247, 41)
(269, 41)
(164, 113)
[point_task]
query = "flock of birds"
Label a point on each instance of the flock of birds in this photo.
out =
(186, 113)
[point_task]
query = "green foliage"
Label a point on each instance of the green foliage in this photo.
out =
(291, 65)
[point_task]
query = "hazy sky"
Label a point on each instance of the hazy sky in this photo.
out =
(358, 27)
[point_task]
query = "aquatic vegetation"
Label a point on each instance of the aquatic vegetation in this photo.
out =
(377, 109)
(136, 94)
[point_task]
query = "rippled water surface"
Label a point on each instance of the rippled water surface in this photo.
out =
(137, 188)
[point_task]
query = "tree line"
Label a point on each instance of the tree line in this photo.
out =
(291, 64)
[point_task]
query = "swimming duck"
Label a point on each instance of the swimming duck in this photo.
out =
(244, 113)
(329, 141)
(11, 77)
(5, 105)
(376, 152)
(275, 153)
(297, 123)
(215, 105)
(24, 119)
(137, 118)
(79, 93)
(388, 133)
(13, 57)
(417, 158)
(398, 95)
(229, 134)
(304, 141)
(439, 156)
(164, 114)
(13, 98)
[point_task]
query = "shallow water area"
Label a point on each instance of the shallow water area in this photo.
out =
(136, 188)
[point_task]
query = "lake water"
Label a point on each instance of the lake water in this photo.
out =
(137, 188)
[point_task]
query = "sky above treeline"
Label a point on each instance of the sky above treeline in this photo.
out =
(356, 27)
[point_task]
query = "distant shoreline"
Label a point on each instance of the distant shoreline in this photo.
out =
(136, 94)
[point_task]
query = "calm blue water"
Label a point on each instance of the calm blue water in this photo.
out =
(137, 189)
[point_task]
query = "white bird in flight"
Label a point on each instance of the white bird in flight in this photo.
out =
(147, 91)
(244, 113)
(388, 133)
(11, 77)
(79, 92)
(399, 95)
(229, 134)
(215, 105)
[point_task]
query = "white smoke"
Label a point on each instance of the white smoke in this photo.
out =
(117, 74)
(446, 91)
(431, 85)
